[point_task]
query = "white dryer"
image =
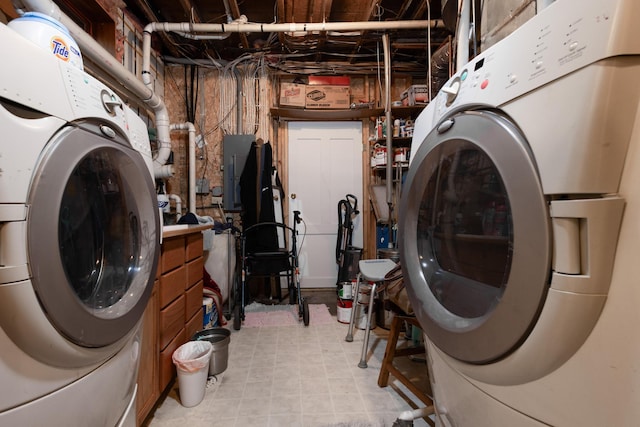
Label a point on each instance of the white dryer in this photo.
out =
(79, 243)
(519, 231)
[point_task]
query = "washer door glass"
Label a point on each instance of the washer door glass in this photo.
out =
(467, 231)
(93, 201)
(474, 237)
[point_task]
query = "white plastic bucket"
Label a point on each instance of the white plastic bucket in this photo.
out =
(192, 363)
(50, 35)
(362, 311)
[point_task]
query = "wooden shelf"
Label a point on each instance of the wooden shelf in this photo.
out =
(400, 140)
(304, 114)
(350, 114)
(412, 111)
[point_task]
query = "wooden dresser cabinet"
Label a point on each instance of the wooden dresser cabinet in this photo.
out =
(173, 314)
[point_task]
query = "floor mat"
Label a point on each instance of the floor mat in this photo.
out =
(258, 315)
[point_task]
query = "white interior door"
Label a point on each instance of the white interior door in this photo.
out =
(325, 164)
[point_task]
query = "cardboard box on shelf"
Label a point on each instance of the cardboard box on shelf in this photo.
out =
(329, 81)
(329, 97)
(292, 95)
(404, 97)
(417, 95)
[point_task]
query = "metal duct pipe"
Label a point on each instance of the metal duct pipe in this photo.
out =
(239, 107)
(462, 35)
(192, 160)
(440, 67)
(108, 63)
(387, 109)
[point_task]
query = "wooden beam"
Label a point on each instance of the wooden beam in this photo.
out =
(235, 12)
(191, 11)
(151, 17)
(368, 14)
(282, 18)
(320, 11)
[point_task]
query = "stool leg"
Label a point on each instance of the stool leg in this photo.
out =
(389, 353)
(354, 306)
(363, 356)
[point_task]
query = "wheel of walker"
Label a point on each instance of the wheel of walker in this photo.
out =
(305, 312)
(293, 296)
(237, 321)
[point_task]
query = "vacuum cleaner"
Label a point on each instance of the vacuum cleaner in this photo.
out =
(347, 255)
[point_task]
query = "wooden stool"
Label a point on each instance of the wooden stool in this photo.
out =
(391, 352)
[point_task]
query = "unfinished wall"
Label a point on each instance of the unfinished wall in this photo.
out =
(212, 96)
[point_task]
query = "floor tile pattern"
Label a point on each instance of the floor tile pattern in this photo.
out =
(300, 377)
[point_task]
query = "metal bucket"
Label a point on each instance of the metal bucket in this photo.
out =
(390, 253)
(219, 339)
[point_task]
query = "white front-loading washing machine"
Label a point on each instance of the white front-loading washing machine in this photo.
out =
(518, 228)
(79, 243)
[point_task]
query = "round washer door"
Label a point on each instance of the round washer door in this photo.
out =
(474, 237)
(92, 235)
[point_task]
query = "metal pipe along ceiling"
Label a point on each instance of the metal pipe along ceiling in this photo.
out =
(240, 27)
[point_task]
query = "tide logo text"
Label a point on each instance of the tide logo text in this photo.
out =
(59, 48)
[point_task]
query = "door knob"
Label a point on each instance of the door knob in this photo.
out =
(293, 195)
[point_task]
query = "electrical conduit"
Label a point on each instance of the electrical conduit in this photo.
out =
(192, 160)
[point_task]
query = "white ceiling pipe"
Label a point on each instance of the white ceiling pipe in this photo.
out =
(192, 160)
(107, 62)
(237, 27)
(217, 36)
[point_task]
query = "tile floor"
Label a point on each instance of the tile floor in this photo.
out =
(298, 376)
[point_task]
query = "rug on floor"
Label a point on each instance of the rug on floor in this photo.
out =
(257, 315)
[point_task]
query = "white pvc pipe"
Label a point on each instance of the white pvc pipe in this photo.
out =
(416, 413)
(192, 161)
(239, 27)
(217, 36)
(107, 62)
(178, 201)
(462, 35)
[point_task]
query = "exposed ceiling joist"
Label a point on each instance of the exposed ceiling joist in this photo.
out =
(235, 13)
(356, 46)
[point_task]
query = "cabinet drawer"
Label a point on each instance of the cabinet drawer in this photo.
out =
(194, 324)
(172, 285)
(167, 368)
(172, 253)
(171, 321)
(194, 246)
(194, 300)
(195, 271)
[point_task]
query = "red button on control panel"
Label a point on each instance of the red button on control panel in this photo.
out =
(484, 84)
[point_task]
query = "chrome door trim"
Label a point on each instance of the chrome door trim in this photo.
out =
(83, 325)
(496, 334)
